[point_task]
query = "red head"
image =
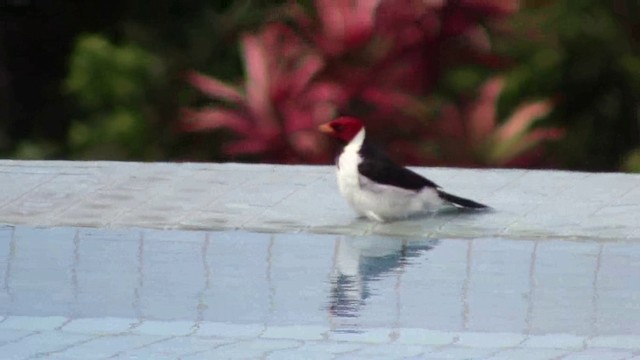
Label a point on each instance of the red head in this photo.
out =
(344, 128)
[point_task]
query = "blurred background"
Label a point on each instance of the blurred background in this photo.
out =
(471, 83)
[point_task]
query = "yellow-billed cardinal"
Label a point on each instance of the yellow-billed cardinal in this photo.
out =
(378, 188)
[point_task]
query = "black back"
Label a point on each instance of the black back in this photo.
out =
(377, 166)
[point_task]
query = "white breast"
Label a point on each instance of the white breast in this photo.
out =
(347, 172)
(376, 201)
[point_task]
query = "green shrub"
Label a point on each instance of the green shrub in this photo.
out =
(113, 86)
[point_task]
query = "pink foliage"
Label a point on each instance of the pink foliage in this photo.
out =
(471, 134)
(281, 100)
(377, 59)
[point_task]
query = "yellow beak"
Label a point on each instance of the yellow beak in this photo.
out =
(326, 128)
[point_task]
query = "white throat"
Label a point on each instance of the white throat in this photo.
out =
(347, 171)
(356, 143)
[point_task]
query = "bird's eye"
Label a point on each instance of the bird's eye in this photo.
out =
(338, 127)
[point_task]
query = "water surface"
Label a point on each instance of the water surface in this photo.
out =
(343, 284)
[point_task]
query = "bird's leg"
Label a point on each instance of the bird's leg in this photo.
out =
(373, 216)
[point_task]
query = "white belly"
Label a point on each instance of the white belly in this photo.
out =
(380, 202)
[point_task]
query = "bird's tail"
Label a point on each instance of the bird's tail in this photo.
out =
(462, 202)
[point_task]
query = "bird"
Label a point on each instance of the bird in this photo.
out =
(378, 188)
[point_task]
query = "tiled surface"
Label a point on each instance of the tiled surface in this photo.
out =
(103, 260)
(305, 198)
(83, 293)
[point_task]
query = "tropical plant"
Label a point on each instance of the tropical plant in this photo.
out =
(144, 54)
(586, 54)
(112, 85)
(273, 116)
(375, 59)
(472, 134)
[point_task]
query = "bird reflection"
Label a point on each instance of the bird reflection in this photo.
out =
(358, 262)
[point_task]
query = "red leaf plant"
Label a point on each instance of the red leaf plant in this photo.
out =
(282, 99)
(471, 135)
(371, 58)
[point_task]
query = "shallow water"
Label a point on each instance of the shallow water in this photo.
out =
(344, 284)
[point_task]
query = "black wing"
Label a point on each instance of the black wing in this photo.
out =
(461, 202)
(378, 167)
